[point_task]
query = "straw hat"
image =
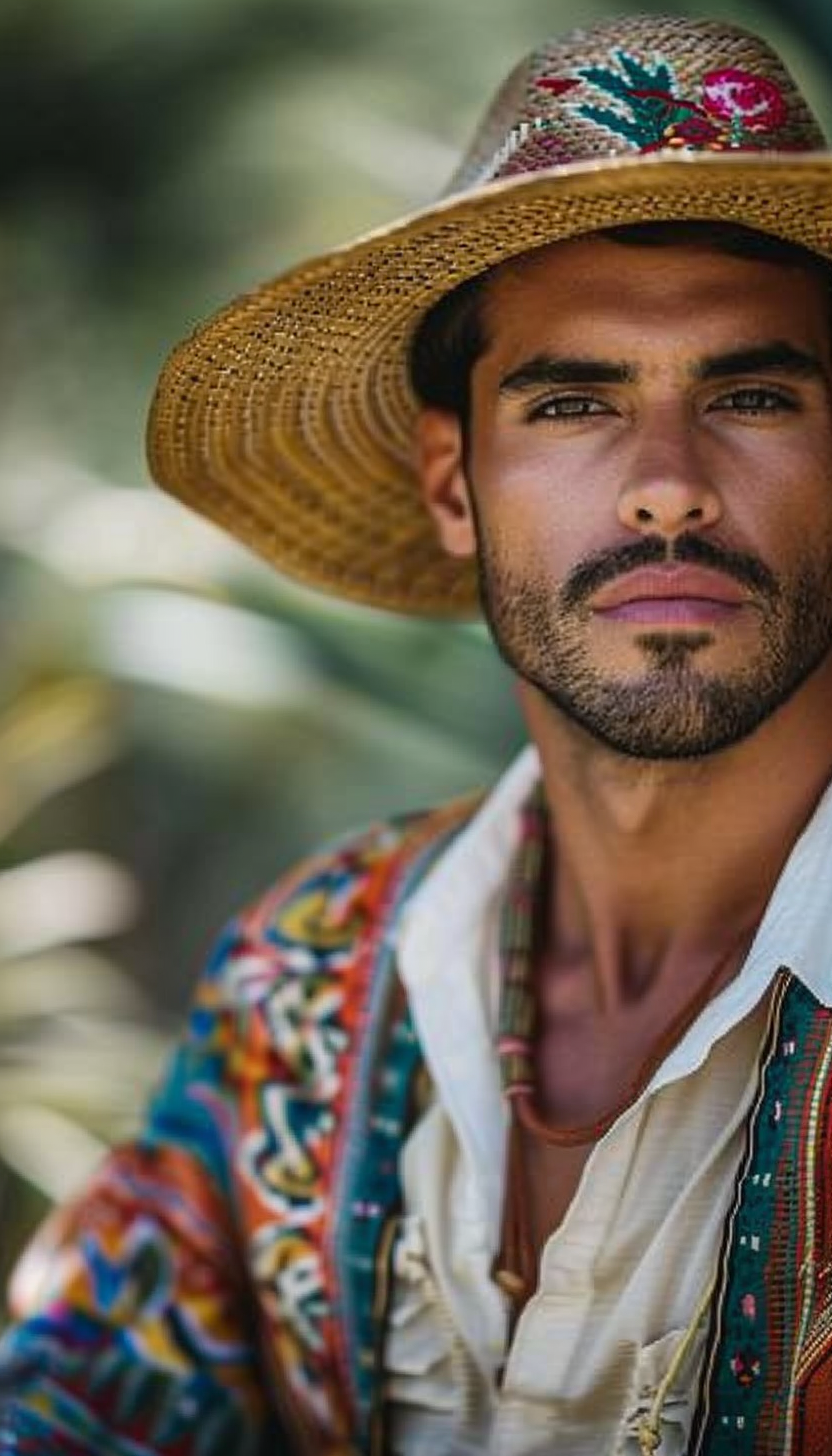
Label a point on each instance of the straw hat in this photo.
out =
(287, 418)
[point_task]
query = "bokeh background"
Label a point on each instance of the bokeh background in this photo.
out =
(176, 724)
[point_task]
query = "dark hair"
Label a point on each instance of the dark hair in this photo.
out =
(451, 337)
(446, 346)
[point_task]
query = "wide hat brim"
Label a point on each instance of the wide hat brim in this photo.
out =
(288, 418)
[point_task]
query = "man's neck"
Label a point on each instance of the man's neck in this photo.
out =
(658, 869)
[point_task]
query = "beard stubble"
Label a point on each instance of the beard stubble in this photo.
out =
(673, 709)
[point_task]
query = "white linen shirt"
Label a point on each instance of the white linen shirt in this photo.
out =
(621, 1277)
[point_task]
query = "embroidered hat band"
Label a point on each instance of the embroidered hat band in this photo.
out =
(288, 417)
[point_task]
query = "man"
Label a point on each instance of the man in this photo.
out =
(506, 1128)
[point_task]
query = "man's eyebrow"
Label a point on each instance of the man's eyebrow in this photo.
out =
(776, 358)
(547, 369)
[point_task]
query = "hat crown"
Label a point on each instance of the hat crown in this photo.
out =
(639, 85)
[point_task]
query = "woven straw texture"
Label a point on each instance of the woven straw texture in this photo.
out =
(287, 418)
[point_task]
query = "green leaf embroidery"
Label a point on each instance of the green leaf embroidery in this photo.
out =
(608, 81)
(649, 116)
(659, 78)
(604, 116)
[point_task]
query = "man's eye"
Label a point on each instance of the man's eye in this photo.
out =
(568, 407)
(755, 400)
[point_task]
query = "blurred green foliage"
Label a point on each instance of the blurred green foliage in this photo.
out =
(176, 724)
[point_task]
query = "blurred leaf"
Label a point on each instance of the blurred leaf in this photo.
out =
(60, 898)
(49, 1150)
(67, 979)
(97, 1072)
(53, 736)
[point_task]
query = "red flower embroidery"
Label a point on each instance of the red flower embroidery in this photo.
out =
(737, 96)
(694, 131)
(748, 1306)
(558, 85)
(746, 1367)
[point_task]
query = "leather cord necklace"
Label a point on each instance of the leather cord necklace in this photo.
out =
(515, 1268)
(516, 1265)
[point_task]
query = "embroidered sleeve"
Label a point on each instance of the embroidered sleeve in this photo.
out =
(211, 1293)
(134, 1324)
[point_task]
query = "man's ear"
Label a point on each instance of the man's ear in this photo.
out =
(441, 469)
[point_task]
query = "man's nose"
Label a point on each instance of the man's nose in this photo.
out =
(667, 488)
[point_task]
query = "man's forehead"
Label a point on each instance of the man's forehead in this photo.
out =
(604, 256)
(695, 293)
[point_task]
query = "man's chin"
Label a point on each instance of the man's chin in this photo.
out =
(678, 728)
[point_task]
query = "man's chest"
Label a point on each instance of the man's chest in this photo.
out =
(550, 1179)
(625, 1237)
(588, 1077)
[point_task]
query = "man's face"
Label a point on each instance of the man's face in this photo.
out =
(655, 408)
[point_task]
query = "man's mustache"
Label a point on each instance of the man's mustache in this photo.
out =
(596, 571)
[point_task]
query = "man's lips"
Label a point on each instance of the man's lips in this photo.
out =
(654, 585)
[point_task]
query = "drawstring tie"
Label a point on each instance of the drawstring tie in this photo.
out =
(649, 1427)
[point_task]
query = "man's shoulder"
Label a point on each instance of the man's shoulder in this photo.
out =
(319, 916)
(353, 868)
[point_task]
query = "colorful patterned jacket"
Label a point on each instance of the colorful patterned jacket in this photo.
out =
(221, 1287)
